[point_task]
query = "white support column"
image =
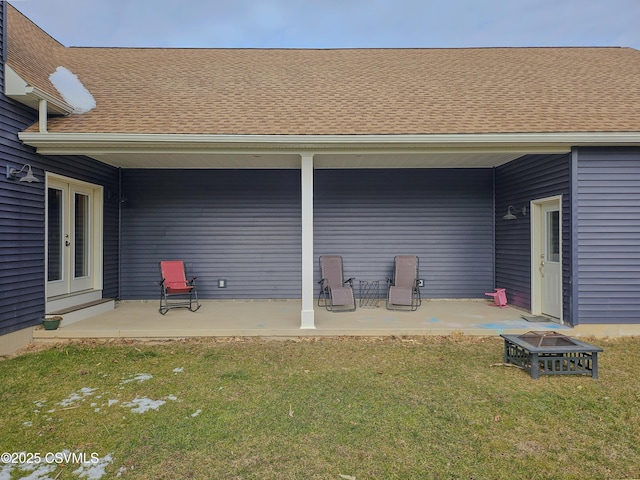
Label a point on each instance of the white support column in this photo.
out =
(42, 115)
(307, 315)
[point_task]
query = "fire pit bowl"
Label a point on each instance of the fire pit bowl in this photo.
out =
(551, 353)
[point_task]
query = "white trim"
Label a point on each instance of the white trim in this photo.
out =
(102, 143)
(17, 88)
(307, 320)
(42, 116)
(69, 301)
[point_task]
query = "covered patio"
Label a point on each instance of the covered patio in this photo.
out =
(279, 157)
(280, 318)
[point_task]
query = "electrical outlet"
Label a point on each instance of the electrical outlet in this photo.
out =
(222, 283)
(420, 282)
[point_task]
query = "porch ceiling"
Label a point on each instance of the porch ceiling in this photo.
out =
(333, 151)
(292, 161)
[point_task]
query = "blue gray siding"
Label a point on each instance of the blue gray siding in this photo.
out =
(517, 183)
(22, 222)
(443, 216)
(21, 226)
(245, 226)
(3, 38)
(607, 249)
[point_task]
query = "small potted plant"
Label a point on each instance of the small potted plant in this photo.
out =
(51, 323)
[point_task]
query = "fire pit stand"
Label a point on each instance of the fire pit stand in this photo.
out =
(551, 353)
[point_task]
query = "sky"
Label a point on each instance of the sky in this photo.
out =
(337, 23)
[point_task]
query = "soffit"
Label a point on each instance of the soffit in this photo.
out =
(256, 160)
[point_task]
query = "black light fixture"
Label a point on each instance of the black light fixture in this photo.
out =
(511, 212)
(29, 177)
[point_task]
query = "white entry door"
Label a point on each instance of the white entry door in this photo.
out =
(551, 260)
(72, 237)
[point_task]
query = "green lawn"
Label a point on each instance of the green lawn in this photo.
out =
(407, 408)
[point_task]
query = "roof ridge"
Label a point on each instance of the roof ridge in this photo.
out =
(331, 49)
(10, 6)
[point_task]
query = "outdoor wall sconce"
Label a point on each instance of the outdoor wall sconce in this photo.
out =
(29, 177)
(511, 212)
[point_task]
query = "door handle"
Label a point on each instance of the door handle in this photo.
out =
(541, 268)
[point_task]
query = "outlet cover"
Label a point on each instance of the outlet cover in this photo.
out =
(222, 283)
(421, 282)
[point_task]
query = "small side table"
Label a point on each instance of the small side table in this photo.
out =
(369, 293)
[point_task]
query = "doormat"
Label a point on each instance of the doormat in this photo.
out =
(536, 318)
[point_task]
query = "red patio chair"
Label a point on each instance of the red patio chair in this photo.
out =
(336, 292)
(175, 290)
(404, 288)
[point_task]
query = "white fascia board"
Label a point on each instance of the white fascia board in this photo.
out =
(85, 143)
(18, 89)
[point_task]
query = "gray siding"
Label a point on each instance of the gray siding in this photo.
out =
(245, 226)
(517, 183)
(607, 247)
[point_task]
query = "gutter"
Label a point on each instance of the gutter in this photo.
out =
(48, 143)
(21, 91)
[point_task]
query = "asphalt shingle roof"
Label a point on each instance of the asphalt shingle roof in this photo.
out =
(334, 92)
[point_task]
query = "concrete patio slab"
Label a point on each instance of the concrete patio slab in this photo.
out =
(281, 318)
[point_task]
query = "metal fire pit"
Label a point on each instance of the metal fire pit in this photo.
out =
(551, 353)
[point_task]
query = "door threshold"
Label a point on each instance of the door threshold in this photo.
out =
(86, 310)
(61, 302)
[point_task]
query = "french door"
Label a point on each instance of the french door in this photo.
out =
(73, 243)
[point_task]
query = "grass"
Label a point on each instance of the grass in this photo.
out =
(321, 409)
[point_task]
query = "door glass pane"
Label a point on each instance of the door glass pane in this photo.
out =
(553, 236)
(55, 236)
(81, 240)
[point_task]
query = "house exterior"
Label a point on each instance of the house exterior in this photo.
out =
(251, 163)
